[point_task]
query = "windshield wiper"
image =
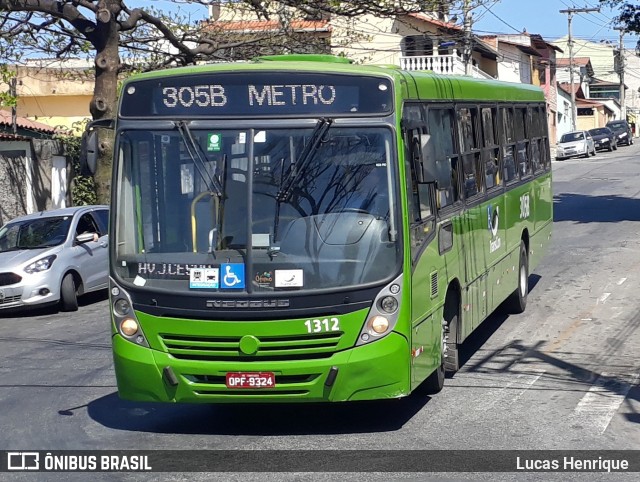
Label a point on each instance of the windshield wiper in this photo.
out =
(195, 152)
(286, 188)
(299, 167)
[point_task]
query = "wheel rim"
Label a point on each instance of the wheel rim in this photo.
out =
(523, 281)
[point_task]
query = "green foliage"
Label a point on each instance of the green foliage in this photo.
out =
(83, 188)
(6, 98)
(628, 14)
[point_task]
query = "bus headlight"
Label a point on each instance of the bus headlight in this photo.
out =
(124, 317)
(383, 314)
(121, 307)
(129, 326)
(379, 324)
(389, 304)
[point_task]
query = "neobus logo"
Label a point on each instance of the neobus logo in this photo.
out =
(248, 303)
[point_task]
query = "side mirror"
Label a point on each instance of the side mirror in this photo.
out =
(84, 238)
(89, 149)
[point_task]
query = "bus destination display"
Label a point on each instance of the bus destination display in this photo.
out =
(256, 94)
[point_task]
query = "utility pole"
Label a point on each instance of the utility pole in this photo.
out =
(623, 106)
(13, 92)
(570, 12)
(466, 54)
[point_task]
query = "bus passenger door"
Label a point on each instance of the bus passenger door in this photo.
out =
(473, 220)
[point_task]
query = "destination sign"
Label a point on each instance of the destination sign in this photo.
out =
(258, 94)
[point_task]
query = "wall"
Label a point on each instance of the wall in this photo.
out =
(563, 114)
(56, 110)
(25, 177)
(15, 187)
(514, 64)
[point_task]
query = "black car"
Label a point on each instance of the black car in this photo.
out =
(622, 130)
(604, 138)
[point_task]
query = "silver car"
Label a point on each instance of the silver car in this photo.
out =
(53, 257)
(577, 143)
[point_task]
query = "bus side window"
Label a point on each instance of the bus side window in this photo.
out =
(469, 149)
(490, 150)
(507, 140)
(522, 142)
(441, 157)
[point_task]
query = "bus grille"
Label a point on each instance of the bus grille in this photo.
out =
(270, 348)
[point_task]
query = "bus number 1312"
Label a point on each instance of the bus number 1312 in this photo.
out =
(318, 326)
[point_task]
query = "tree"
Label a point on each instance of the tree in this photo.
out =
(120, 38)
(629, 16)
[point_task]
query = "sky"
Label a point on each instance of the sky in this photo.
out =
(543, 17)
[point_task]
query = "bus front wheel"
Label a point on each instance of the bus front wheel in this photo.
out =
(451, 316)
(435, 382)
(517, 302)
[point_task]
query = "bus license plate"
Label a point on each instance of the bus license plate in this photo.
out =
(251, 380)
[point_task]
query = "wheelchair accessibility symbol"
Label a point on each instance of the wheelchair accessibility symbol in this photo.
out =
(232, 275)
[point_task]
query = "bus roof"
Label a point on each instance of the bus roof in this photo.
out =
(429, 85)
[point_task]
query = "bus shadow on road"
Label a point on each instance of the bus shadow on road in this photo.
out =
(252, 419)
(494, 321)
(595, 209)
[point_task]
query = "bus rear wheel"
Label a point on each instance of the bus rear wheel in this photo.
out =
(517, 302)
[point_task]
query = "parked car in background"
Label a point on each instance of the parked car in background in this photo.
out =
(604, 138)
(577, 143)
(622, 129)
(53, 257)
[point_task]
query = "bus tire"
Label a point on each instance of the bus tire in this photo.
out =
(435, 382)
(68, 294)
(451, 316)
(517, 302)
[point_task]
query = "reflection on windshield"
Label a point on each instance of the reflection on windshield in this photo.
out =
(34, 234)
(322, 219)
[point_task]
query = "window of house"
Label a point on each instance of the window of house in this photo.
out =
(417, 45)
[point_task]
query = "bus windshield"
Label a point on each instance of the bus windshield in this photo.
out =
(256, 210)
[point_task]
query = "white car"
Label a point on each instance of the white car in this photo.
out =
(577, 143)
(53, 256)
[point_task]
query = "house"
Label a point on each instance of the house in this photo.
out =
(590, 113)
(33, 168)
(53, 92)
(528, 58)
(563, 114)
(417, 41)
(605, 67)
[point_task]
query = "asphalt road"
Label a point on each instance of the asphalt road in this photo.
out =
(561, 376)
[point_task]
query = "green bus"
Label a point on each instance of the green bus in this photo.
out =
(300, 228)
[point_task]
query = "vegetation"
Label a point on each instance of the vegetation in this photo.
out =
(629, 16)
(83, 187)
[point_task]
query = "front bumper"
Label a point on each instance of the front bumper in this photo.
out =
(31, 291)
(377, 370)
